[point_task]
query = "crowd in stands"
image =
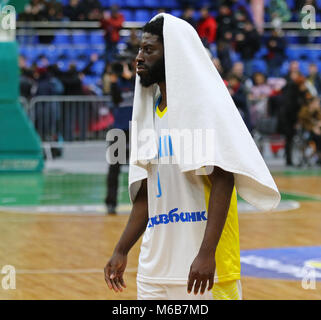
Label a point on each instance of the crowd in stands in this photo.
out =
(236, 28)
(90, 10)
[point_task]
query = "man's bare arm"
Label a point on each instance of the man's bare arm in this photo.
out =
(203, 267)
(136, 226)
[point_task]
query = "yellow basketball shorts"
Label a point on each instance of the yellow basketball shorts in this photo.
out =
(229, 290)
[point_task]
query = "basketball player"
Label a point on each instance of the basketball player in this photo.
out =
(165, 254)
(190, 248)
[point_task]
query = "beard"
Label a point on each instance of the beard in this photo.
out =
(154, 74)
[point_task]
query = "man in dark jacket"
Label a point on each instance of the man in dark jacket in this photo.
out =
(247, 43)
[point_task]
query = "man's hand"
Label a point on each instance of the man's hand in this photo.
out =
(114, 272)
(201, 271)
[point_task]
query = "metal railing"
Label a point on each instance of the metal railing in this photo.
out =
(69, 118)
(126, 25)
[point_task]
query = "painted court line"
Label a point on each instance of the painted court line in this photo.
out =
(66, 271)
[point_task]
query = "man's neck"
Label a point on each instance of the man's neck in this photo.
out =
(163, 104)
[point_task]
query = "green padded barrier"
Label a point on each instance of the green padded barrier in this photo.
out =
(9, 74)
(20, 146)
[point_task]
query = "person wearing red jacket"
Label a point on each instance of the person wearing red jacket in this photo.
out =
(207, 27)
(112, 23)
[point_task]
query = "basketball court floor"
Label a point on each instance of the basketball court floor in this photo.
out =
(54, 232)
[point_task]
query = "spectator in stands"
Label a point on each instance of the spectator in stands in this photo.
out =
(218, 66)
(92, 9)
(224, 49)
(238, 70)
(73, 11)
(106, 81)
(188, 15)
(122, 92)
(27, 82)
(310, 119)
(293, 98)
(34, 11)
(239, 6)
(54, 11)
(294, 66)
(132, 44)
(279, 13)
(247, 43)
(188, 3)
(225, 21)
(258, 97)
(239, 95)
(314, 77)
(275, 57)
(47, 115)
(112, 23)
(206, 27)
(240, 19)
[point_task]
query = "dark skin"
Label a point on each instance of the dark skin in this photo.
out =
(201, 275)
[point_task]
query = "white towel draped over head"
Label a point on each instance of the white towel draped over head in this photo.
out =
(197, 98)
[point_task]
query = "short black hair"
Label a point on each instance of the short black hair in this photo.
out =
(155, 27)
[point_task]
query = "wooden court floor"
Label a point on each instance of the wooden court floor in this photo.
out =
(62, 257)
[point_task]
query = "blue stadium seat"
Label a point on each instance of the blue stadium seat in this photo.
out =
(291, 4)
(293, 54)
(98, 67)
(105, 3)
(176, 13)
(284, 68)
(152, 3)
(197, 15)
(61, 38)
(81, 52)
(91, 80)
(128, 15)
(30, 53)
(61, 52)
(134, 3)
(304, 67)
(120, 3)
(314, 55)
(65, 2)
(261, 53)
(63, 65)
(173, 4)
(88, 80)
(235, 57)
(292, 39)
(97, 38)
(79, 38)
(81, 64)
(51, 54)
(142, 15)
(259, 66)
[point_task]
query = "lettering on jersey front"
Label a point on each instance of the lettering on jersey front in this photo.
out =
(175, 216)
(165, 148)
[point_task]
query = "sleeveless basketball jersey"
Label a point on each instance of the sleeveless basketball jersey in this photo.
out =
(177, 209)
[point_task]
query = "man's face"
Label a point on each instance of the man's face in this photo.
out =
(313, 69)
(150, 65)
